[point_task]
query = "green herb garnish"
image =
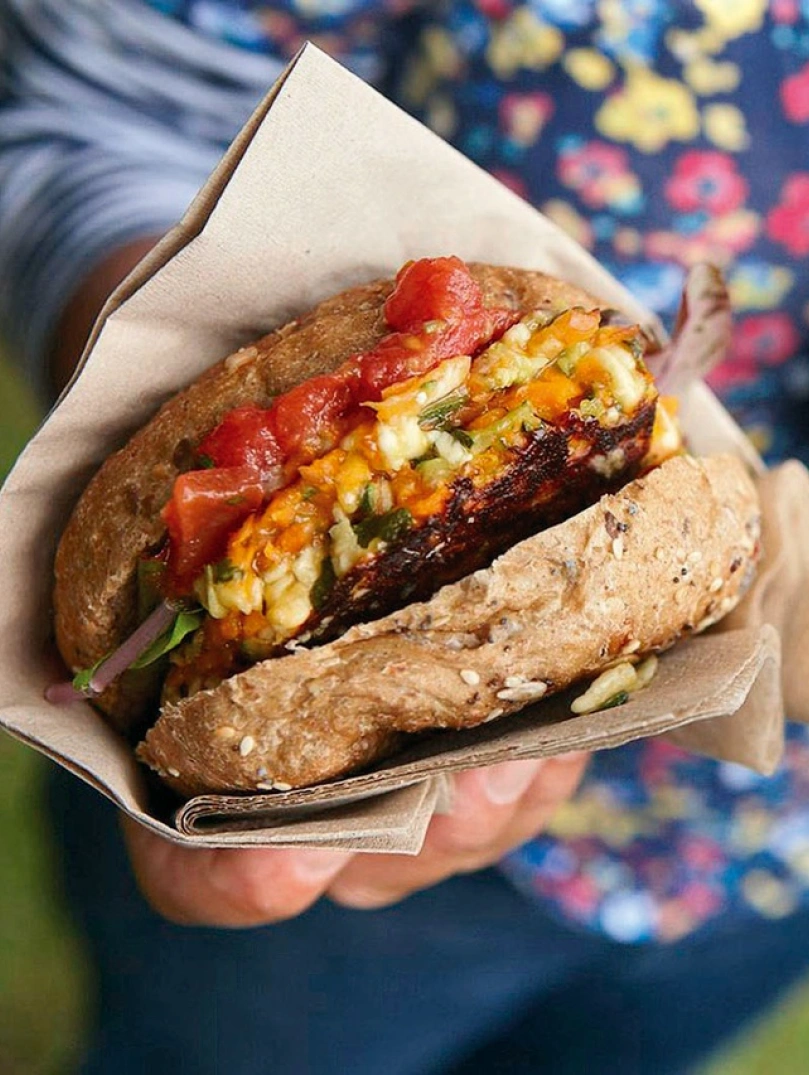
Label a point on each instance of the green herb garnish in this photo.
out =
(225, 571)
(151, 573)
(617, 699)
(388, 527)
(568, 359)
(461, 436)
(81, 680)
(184, 625)
(323, 584)
(436, 414)
(367, 502)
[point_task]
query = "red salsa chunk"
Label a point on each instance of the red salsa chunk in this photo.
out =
(435, 310)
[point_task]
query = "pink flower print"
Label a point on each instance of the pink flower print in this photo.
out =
(785, 11)
(701, 854)
(658, 760)
(795, 96)
(708, 180)
(514, 182)
(788, 222)
(674, 921)
(579, 894)
(765, 339)
(732, 373)
(494, 9)
(600, 173)
(701, 900)
(523, 116)
(718, 241)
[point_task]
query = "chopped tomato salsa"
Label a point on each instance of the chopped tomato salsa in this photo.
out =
(205, 506)
(436, 312)
(432, 289)
(246, 437)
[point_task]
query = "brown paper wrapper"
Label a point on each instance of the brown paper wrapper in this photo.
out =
(319, 192)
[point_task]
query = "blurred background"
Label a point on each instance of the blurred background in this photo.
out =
(46, 989)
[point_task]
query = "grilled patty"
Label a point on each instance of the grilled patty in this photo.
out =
(449, 470)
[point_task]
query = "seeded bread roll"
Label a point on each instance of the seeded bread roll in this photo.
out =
(118, 516)
(667, 556)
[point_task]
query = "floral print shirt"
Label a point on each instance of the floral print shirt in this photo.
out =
(658, 133)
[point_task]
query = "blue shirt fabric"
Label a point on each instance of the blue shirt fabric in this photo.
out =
(659, 133)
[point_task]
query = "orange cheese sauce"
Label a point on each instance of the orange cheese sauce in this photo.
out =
(397, 458)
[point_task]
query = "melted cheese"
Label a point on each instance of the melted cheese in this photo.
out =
(389, 461)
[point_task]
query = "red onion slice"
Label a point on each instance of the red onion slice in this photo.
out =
(64, 693)
(702, 333)
(119, 660)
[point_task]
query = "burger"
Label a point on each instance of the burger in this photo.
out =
(426, 504)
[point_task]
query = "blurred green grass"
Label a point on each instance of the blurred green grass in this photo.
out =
(45, 983)
(44, 980)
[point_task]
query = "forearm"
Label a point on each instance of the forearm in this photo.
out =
(75, 323)
(111, 118)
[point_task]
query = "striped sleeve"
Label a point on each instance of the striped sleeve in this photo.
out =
(111, 117)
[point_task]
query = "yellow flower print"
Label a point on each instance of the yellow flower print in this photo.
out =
(671, 803)
(523, 40)
(627, 242)
(649, 111)
(751, 829)
(759, 290)
(442, 116)
(437, 60)
(418, 82)
(575, 819)
(576, 226)
(760, 437)
(621, 828)
(441, 52)
(770, 896)
(706, 77)
(590, 69)
(798, 859)
(724, 125)
(590, 815)
(733, 18)
(687, 45)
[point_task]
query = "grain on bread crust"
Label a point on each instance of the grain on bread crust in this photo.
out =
(118, 516)
(668, 555)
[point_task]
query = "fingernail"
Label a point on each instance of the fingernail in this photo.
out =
(314, 865)
(505, 783)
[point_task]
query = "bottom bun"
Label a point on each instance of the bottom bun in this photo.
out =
(668, 555)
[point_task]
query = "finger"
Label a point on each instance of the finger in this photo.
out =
(482, 827)
(230, 887)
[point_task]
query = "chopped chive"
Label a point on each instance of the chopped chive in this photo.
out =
(461, 436)
(437, 413)
(367, 501)
(388, 527)
(617, 699)
(323, 584)
(225, 571)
